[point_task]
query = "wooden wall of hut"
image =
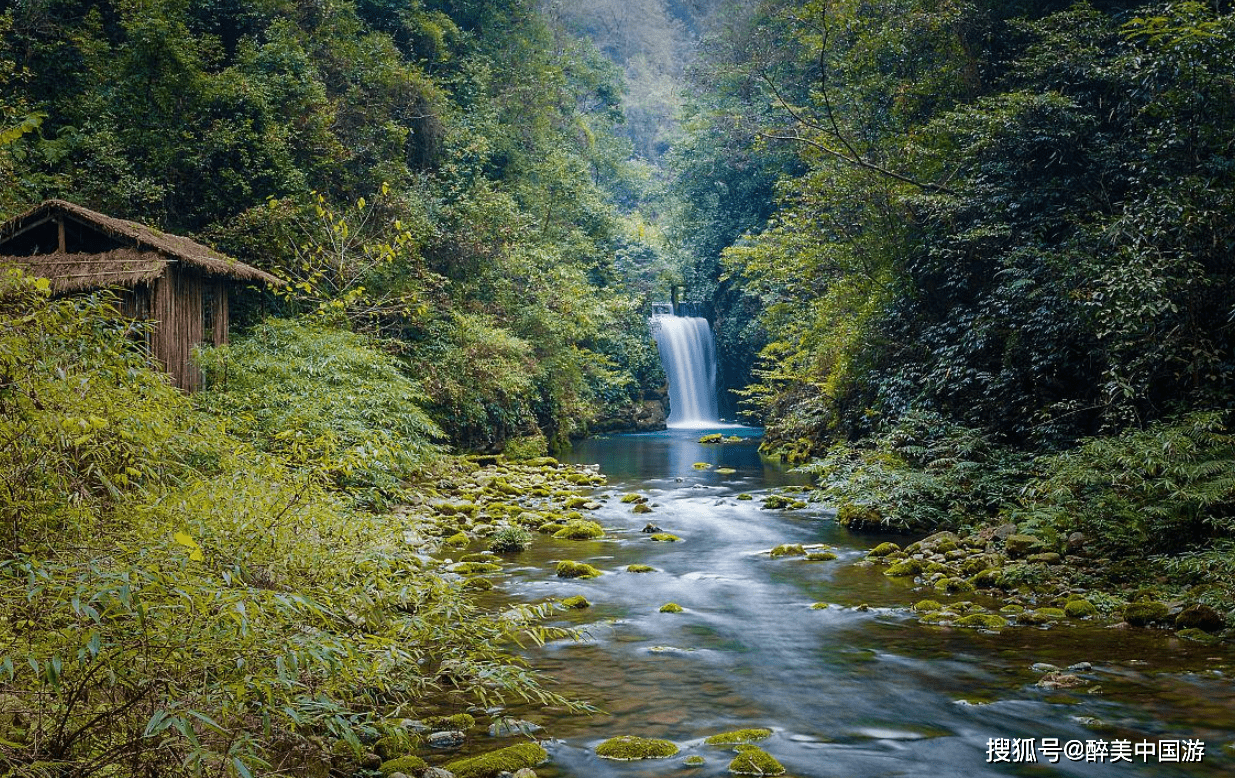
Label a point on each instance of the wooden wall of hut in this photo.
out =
(189, 309)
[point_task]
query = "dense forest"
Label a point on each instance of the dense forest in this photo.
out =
(970, 263)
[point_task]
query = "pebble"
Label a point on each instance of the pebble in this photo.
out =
(1043, 667)
(446, 739)
(1080, 667)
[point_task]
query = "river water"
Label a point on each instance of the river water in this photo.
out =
(856, 690)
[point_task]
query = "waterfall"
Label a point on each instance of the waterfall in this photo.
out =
(688, 354)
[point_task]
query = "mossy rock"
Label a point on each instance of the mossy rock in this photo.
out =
(1199, 636)
(504, 760)
(459, 539)
(715, 437)
(1080, 608)
(745, 497)
(477, 584)
(882, 550)
(788, 549)
(541, 462)
(739, 736)
(407, 764)
(1053, 613)
(664, 537)
(473, 568)
(937, 617)
(753, 760)
(550, 527)
(628, 748)
(905, 569)
(819, 606)
(1012, 610)
(702, 465)
(1142, 614)
(1019, 546)
(640, 569)
(780, 501)
(1048, 558)
(859, 516)
(1033, 618)
(393, 746)
(987, 579)
(575, 503)
(457, 721)
(641, 507)
(982, 621)
(569, 569)
(578, 602)
(820, 556)
(927, 606)
(953, 585)
(1200, 616)
(725, 471)
(632, 497)
(483, 556)
(671, 607)
(694, 761)
(580, 529)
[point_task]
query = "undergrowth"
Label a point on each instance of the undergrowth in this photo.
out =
(176, 601)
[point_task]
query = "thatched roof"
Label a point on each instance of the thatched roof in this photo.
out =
(144, 254)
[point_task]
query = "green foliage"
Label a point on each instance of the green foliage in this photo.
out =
(1165, 488)
(177, 601)
(509, 539)
(322, 399)
(923, 473)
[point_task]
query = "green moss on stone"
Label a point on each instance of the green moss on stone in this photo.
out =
(905, 569)
(982, 621)
(641, 507)
(694, 761)
(715, 437)
(752, 760)
(788, 549)
(745, 497)
(1080, 608)
(458, 539)
(632, 497)
(665, 537)
(702, 465)
(820, 556)
(393, 746)
(550, 527)
(1140, 614)
(819, 606)
(671, 607)
(408, 765)
(478, 584)
(926, 606)
(1199, 636)
(725, 471)
(474, 568)
(504, 760)
(738, 736)
(580, 529)
(640, 569)
(1052, 613)
(953, 585)
(577, 602)
(628, 748)
(569, 569)
(883, 549)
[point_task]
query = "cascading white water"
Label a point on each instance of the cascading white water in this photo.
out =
(688, 354)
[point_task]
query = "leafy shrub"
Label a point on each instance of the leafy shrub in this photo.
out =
(325, 399)
(922, 474)
(180, 603)
(1160, 489)
(510, 538)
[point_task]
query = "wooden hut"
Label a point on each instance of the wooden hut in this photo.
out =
(179, 284)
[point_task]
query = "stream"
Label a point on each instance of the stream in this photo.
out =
(857, 689)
